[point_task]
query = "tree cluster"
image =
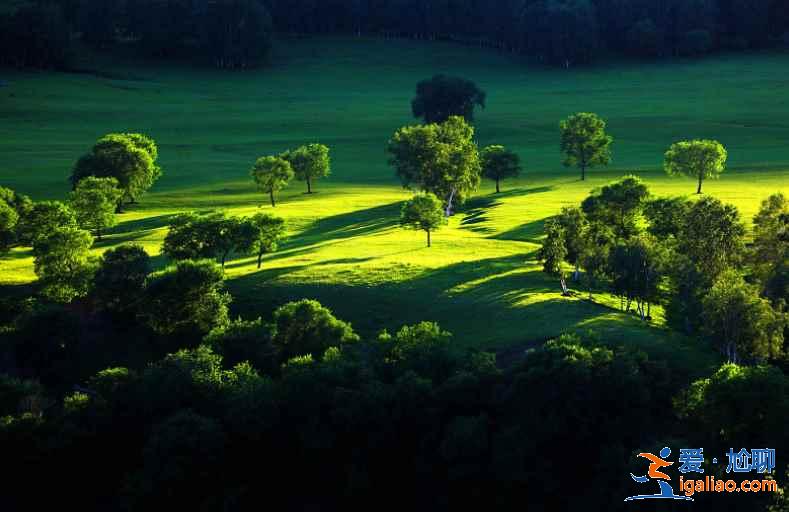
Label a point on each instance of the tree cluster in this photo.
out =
(689, 256)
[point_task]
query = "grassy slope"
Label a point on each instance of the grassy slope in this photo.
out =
(480, 279)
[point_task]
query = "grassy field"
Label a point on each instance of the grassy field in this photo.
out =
(480, 279)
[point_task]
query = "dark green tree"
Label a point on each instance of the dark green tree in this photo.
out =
(499, 163)
(119, 282)
(186, 298)
(442, 97)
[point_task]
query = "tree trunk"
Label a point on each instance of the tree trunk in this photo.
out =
(224, 257)
(698, 191)
(428, 238)
(260, 259)
(271, 196)
(497, 186)
(583, 173)
(309, 186)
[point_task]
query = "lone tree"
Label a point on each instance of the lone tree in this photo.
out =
(584, 142)
(499, 163)
(271, 174)
(423, 212)
(130, 158)
(268, 231)
(701, 159)
(94, 202)
(439, 158)
(310, 162)
(441, 97)
(63, 263)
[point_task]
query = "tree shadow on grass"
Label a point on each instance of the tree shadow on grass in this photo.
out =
(476, 210)
(352, 224)
(528, 232)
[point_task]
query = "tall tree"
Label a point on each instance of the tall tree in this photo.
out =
(743, 324)
(310, 162)
(499, 163)
(442, 97)
(271, 174)
(94, 202)
(584, 142)
(701, 159)
(423, 213)
(438, 158)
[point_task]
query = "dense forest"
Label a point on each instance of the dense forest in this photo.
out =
(238, 33)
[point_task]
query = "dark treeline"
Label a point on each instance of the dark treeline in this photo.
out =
(237, 33)
(555, 31)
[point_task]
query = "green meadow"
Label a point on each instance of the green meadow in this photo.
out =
(480, 279)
